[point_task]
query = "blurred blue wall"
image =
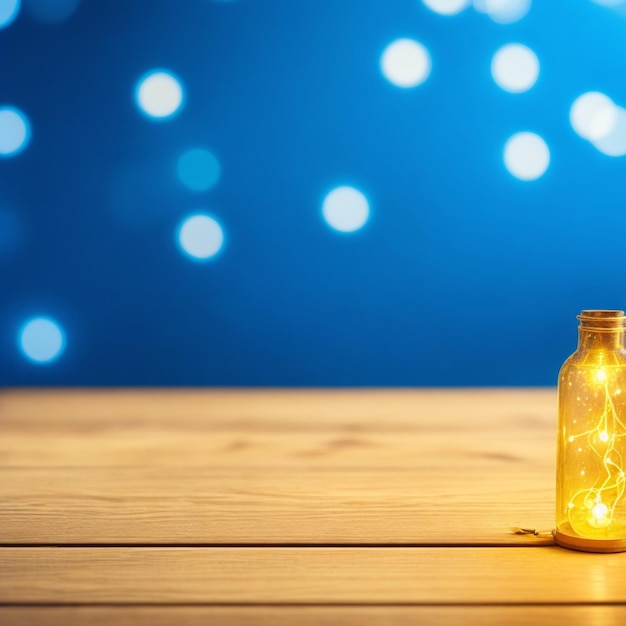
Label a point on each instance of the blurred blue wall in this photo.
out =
(462, 275)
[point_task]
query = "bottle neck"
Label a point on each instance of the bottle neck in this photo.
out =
(592, 339)
(601, 329)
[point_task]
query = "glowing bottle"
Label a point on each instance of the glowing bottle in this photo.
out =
(591, 456)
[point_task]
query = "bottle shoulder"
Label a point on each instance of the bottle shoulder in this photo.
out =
(595, 358)
(584, 365)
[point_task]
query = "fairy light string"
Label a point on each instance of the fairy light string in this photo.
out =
(596, 505)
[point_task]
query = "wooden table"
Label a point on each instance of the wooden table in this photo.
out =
(309, 507)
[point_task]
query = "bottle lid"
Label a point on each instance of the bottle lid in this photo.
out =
(602, 319)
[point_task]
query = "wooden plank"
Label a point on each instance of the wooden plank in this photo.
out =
(256, 467)
(236, 449)
(440, 505)
(295, 428)
(376, 410)
(314, 615)
(547, 575)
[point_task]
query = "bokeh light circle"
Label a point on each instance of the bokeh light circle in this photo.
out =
(593, 115)
(345, 209)
(405, 63)
(515, 68)
(41, 340)
(9, 10)
(159, 94)
(198, 169)
(14, 131)
(610, 3)
(447, 7)
(50, 11)
(505, 11)
(614, 142)
(200, 237)
(526, 156)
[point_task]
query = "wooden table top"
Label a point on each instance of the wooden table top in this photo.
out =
(310, 507)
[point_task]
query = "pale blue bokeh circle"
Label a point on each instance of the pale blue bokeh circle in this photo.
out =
(14, 131)
(198, 169)
(9, 10)
(41, 340)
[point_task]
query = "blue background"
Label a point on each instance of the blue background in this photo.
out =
(463, 274)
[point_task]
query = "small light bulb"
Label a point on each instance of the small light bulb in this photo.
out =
(604, 436)
(600, 375)
(600, 511)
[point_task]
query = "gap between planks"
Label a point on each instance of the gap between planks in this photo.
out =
(309, 576)
(515, 615)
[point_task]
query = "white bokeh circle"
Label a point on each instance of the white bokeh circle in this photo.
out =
(159, 94)
(200, 236)
(405, 63)
(515, 68)
(593, 115)
(504, 11)
(447, 7)
(614, 142)
(345, 209)
(526, 156)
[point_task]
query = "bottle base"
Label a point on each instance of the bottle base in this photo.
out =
(588, 545)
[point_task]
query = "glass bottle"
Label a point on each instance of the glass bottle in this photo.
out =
(591, 450)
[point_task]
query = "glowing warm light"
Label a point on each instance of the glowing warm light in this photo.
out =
(593, 115)
(8, 12)
(600, 513)
(159, 94)
(405, 63)
(198, 169)
(609, 484)
(515, 68)
(41, 340)
(345, 209)
(200, 237)
(592, 449)
(51, 11)
(447, 7)
(526, 156)
(14, 131)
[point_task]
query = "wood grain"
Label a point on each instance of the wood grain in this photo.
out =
(259, 428)
(516, 615)
(221, 469)
(295, 467)
(388, 410)
(234, 448)
(545, 575)
(439, 505)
